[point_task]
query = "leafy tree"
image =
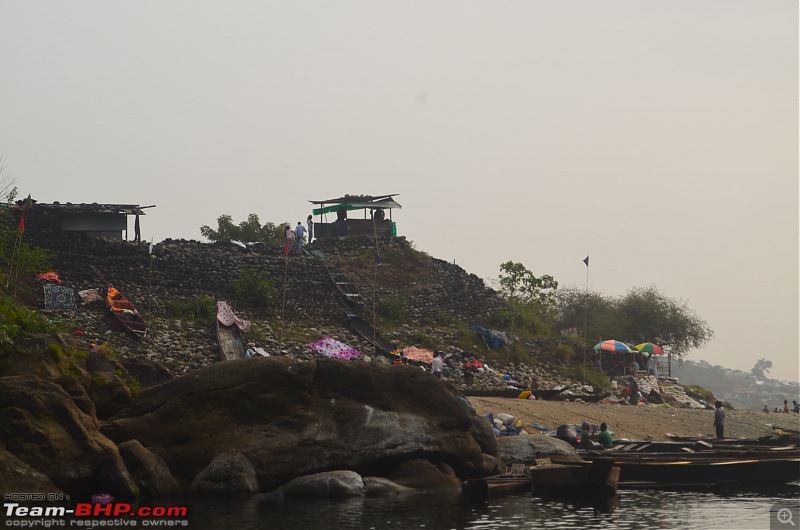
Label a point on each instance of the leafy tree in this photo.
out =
(761, 368)
(586, 313)
(530, 298)
(648, 315)
(249, 231)
(641, 315)
(519, 285)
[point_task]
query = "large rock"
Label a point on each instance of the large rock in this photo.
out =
(298, 419)
(230, 473)
(17, 476)
(526, 448)
(41, 426)
(423, 475)
(149, 470)
(333, 484)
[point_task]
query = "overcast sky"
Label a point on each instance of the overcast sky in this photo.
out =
(659, 138)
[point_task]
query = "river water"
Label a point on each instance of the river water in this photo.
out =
(633, 509)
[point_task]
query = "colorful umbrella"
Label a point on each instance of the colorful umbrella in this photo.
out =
(649, 347)
(613, 346)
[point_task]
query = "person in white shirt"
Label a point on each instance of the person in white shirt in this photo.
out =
(299, 230)
(436, 364)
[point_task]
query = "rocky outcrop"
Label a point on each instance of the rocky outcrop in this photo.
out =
(293, 419)
(526, 448)
(41, 426)
(149, 470)
(228, 473)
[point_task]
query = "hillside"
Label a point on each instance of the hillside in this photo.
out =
(740, 389)
(421, 300)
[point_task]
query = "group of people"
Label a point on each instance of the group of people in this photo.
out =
(298, 234)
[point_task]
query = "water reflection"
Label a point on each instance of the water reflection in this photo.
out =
(629, 510)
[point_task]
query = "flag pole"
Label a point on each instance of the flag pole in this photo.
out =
(585, 316)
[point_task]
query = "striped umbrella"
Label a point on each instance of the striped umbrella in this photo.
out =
(613, 346)
(649, 347)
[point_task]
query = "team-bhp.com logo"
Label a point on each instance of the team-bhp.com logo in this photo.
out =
(86, 514)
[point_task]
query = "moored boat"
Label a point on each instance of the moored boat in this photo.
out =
(229, 333)
(124, 316)
(575, 479)
(706, 471)
(504, 484)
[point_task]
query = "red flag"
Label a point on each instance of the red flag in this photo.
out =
(22, 224)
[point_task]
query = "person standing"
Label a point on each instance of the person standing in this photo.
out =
(719, 420)
(605, 437)
(310, 224)
(289, 234)
(785, 406)
(436, 364)
(633, 388)
(299, 230)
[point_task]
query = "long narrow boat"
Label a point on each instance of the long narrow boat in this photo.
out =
(345, 290)
(507, 483)
(229, 333)
(576, 479)
(124, 316)
(365, 329)
(707, 472)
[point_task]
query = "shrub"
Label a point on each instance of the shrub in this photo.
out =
(202, 308)
(16, 319)
(391, 308)
(254, 289)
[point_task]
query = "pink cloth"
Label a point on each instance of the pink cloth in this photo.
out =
(334, 349)
(227, 317)
(418, 354)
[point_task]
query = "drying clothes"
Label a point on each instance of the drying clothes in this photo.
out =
(334, 349)
(58, 297)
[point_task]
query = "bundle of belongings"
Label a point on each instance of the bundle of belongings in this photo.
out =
(504, 424)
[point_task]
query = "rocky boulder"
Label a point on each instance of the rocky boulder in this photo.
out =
(526, 448)
(41, 426)
(298, 419)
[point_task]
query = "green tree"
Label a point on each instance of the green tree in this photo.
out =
(647, 315)
(519, 285)
(249, 231)
(530, 298)
(585, 313)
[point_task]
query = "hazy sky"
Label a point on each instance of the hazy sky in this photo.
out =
(658, 137)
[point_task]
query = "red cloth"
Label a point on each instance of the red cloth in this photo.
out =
(50, 277)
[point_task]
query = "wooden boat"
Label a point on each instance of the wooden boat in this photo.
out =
(706, 471)
(124, 316)
(507, 483)
(346, 291)
(575, 479)
(229, 333)
(365, 329)
(508, 393)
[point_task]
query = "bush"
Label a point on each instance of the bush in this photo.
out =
(391, 309)
(254, 289)
(202, 308)
(588, 374)
(16, 319)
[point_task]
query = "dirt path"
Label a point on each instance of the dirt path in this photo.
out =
(637, 423)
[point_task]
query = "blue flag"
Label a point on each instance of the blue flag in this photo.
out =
(586, 261)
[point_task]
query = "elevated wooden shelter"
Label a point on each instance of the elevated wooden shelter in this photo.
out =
(336, 219)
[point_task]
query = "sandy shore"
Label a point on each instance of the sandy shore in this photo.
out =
(637, 423)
